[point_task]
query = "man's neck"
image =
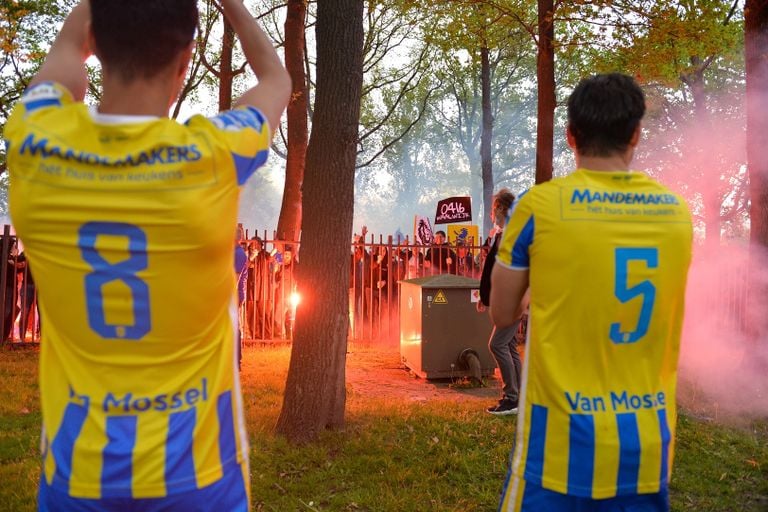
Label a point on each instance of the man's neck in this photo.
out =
(615, 162)
(137, 98)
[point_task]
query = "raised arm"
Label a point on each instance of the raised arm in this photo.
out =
(65, 62)
(273, 91)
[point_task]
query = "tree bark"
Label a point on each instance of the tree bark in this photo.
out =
(545, 75)
(315, 395)
(289, 222)
(756, 55)
(226, 74)
(486, 139)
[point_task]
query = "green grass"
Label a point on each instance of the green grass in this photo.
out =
(395, 454)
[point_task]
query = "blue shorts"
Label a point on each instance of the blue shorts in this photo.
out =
(522, 496)
(229, 493)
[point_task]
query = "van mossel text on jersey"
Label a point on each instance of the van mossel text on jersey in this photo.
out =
(128, 402)
(617, 401)
(154, 156)
(590, 196)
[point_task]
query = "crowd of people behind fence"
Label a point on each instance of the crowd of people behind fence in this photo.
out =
(269, 297)
(377, 264)
(20, 320)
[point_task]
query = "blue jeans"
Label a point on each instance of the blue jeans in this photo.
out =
(503, 346)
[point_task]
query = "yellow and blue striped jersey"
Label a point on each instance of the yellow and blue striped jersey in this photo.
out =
(608, 255)
(128, 223)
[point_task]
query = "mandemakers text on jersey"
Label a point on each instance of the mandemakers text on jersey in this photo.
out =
(161, 155)
(589, 196)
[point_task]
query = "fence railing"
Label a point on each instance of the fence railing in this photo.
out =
(268, 311)
(376, 265)
(20, 321)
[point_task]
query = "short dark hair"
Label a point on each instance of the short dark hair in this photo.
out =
(440, 232)
(603, 113)
(503, 199)
(139, 38)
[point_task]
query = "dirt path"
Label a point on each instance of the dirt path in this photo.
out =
(379, 371)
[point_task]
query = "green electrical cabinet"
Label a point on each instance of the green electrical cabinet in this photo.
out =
(442, 335)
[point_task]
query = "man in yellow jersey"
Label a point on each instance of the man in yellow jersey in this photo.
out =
(127, 218)
(606, 253)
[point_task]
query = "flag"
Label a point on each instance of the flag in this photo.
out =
(422, 231)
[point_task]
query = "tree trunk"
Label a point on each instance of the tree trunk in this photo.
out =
(289, 223)
(756, 55)
(486, 138)
(545, 76)
(708, 176)
(314, 394)
(225, 67)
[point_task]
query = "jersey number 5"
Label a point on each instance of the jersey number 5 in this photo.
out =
(105, 272)
(644, 289)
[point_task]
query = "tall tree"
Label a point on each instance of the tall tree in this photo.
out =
(226, 72)
(496, 45)
(756, 53)
(395, 67)
(683, 46)
(226, 75)
(315, 394)
(198, 67)
(289, 222)
(396, 70)
(486, 156)
(545, 78)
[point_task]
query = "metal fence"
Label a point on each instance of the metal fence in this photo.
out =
(376, 265)
(268, 311)
(20, 321)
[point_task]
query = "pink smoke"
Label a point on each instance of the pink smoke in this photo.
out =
(724, 353)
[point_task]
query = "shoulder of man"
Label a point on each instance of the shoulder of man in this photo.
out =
(235, 120)
(38, 98)
(246, 134)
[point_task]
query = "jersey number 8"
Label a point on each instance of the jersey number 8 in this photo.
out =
(105, 272)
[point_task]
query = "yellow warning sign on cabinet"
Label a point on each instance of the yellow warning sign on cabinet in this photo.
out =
(440, 298)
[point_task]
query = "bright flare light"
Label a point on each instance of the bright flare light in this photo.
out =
(295, 299)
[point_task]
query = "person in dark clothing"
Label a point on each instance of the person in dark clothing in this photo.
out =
(26, 298)
(440, 257)
(241, 273)
(11, 309)
(465, 263)
(258, 318)
(503, 343)
(361, 280)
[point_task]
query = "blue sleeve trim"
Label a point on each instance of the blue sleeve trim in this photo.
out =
(38, 104)
(520, 256)
(246, 166)
(42, 95)
(240, 119)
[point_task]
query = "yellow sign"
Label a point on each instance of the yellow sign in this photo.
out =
(469, 234)
(440, 298)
